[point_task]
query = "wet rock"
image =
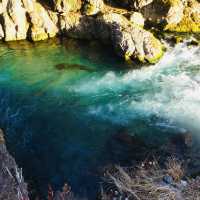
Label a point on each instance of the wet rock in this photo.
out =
(183, 140)
(12, 185)
(168, 179)
(126, 149)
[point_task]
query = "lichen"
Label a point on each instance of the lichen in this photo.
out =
(189, 23)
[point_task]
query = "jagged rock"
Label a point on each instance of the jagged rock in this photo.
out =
(138, 4)
(137, 19)
(3, 4)
(67, 5)
(78, 26)
(12, 185)
(131, 41)
(175, 12)
(188, 20)
(92, 7)
(42, 27)
(28, 5)
(1, 32)
(155, 12)
(14, 21)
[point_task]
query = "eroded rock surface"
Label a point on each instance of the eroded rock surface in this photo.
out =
(94, 19)
(12, 185)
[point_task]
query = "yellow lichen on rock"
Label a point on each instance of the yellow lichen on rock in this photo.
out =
(190, 21)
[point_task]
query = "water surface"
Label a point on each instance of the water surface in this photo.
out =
(61, 101)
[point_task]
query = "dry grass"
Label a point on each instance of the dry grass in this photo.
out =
(192, 191)
(175, 169)
(141, 183)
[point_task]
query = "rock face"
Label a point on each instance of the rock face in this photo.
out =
(93, 19)
(12, 185)
(67, 5)
(14, 20)
(42, 27)
(92, 7)
(178, 15)
(129, 40)
(186, 17)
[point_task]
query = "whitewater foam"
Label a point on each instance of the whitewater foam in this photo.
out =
(169, 90)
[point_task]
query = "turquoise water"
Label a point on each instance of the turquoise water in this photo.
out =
(61, 102)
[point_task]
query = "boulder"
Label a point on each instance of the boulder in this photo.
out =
(129, 40)
(63, 6)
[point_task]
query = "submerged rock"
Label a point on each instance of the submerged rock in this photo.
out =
(12, 185)
(66, 66)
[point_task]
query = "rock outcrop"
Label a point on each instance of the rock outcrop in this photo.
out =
(94, 19)
(90, 19)
(12, 185)
(184, 17)
(63, 6)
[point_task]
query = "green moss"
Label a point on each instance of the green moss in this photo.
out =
(159, 51)
(157, 57)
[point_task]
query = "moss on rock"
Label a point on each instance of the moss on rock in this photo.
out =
(190, 21)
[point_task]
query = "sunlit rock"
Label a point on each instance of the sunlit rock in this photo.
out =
(188, 19)
(14, 21)
(1, 32)
(67, 5)
(42, 27)
(92, 7)
(137, 19)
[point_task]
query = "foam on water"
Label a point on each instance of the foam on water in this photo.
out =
(74, 113)
(169, 90)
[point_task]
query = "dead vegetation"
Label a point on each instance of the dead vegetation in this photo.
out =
(151, 182)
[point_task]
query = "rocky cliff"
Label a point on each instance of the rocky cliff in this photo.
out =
(122, 26)
(12, 185)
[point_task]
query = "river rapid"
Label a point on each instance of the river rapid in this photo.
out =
(61, 102)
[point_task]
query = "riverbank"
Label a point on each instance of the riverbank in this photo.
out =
(127, 27)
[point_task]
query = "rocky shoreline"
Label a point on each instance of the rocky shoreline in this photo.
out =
(12, 184)
(125, 25)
